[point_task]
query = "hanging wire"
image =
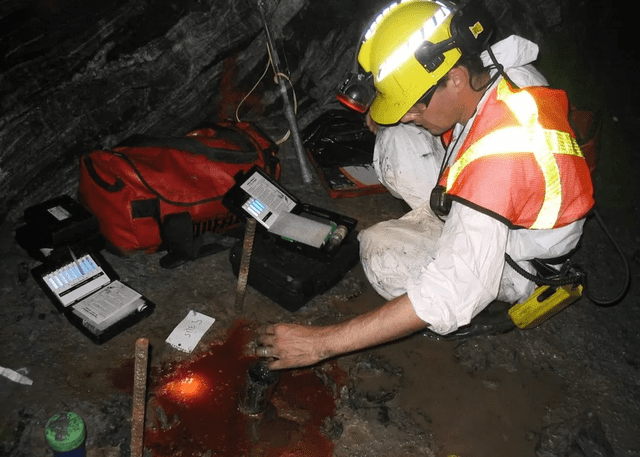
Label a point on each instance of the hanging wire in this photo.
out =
(276, 79)
(266, 68)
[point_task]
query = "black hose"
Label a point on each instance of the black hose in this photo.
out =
(578, 276)
(627, 279)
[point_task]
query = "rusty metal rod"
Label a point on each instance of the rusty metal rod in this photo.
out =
(139, 396)
(245, 261)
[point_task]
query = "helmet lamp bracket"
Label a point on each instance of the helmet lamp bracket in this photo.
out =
(431, 55)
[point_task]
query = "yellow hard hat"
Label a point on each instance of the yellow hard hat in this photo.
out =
(389, 48)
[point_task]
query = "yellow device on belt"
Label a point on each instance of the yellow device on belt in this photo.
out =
(545, 302)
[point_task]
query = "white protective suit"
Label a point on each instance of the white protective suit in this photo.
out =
(452, 270)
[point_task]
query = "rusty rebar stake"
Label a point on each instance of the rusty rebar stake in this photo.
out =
(245, 261)
(139, 396)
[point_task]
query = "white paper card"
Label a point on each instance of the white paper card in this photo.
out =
(15, 376)
(364, 175)
(186, 336)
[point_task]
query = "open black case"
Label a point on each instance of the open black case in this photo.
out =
(299, 250)
(81, 284)
(340, 147)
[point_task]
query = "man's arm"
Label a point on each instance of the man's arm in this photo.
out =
(294, 345)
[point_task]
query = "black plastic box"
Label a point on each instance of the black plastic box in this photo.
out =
(290, 272)
(292, 278)
(54, 226)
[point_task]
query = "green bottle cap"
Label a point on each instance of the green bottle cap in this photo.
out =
(65, 432)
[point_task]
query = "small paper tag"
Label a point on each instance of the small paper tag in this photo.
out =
(15, 376)
(187, 334)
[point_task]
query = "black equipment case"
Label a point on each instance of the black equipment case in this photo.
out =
(64, 236)
(340, 147)
(287, 271)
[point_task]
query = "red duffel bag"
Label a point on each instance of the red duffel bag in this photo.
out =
(134, 187)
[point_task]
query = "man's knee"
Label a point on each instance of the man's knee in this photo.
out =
(372, 240)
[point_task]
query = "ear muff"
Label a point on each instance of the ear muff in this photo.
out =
(471, 30)
(440, 201)
(472, 27)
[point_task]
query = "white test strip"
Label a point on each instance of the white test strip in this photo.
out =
(76, 280)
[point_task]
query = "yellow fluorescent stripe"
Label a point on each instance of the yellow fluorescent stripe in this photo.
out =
(406, 50)
(550, 210)
(509, 140)
(529, 137)
(523, 105)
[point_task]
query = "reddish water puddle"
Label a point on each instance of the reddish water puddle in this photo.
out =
(194, 407)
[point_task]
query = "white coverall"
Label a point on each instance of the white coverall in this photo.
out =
(452, 270)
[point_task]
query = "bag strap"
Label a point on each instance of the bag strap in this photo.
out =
(190, 144)
(248, 151)
(584, 133)
(115, 187)
(119, 184)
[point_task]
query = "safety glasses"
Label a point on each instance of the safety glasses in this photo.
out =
(426, 98)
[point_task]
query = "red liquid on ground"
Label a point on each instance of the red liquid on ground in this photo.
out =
(199, 400)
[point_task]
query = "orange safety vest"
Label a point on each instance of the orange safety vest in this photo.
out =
(521, 160)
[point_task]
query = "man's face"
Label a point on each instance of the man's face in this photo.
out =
(440, 115)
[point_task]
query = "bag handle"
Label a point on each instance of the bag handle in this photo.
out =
(235, 134)
(192, 145)
(115, 187)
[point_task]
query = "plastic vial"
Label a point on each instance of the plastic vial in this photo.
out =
(65, 434)
(337, 236)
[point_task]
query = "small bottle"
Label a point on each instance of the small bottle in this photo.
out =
(337, 236)
(65, 433)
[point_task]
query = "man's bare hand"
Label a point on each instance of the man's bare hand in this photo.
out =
(291, 345)
(294, 345)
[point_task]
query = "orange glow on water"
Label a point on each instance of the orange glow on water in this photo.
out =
(187, 388)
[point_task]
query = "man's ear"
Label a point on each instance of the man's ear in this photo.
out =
(458, 78)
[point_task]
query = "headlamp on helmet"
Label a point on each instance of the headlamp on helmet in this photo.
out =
(357, 92)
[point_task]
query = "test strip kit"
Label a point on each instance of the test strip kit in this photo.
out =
(75, 280)
(89, 293)
(297, 225)
(64, 237)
